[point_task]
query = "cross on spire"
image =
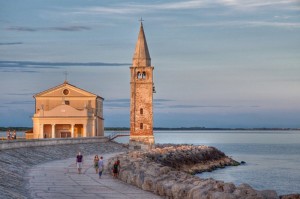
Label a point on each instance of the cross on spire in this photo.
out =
(66, 76)
(141, 20)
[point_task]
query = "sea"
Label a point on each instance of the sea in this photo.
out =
(272, 157)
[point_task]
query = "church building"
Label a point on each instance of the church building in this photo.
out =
(67, 111)
(141, 96)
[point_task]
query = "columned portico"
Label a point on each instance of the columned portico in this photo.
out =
(59, 130)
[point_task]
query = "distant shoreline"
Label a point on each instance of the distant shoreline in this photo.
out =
(206, 129)
(172, 129)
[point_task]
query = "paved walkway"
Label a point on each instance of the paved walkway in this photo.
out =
(59, 179)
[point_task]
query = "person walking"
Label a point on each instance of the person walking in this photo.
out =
(15, 135)
(79, 161)
(101, 166)
(116, 169)
(96, 163)
(8, 135)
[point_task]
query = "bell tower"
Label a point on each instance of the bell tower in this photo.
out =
(141, 96)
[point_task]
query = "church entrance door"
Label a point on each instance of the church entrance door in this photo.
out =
(65, 134)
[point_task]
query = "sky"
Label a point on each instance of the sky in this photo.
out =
(218, 63)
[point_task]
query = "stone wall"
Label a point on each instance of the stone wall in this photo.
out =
(12, 144)
(15, 162)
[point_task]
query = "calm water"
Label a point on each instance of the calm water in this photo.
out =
(272, 157)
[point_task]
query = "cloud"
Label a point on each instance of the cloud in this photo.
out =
(163, 100)
(107, 10)
(188, 106)
(60, 28)
(20, 102)
(22, 29)
(117, 103)
(125, 102)
(246, 24)
(10, 43)
(258, 3)
(196, 106)
(130, 8)
(161, 103)
(117, 100)
(20, 94)
(272, 24)
(70, 28)
(34, 67)
(35, 64)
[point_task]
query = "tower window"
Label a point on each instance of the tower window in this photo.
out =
(139, 75)
(67, 102)
(144, 75)
(141, 111)
(141, 125)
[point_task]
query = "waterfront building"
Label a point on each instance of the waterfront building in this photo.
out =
(141, 95)
(67, 111)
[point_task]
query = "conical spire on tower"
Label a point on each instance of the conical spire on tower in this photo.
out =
(141, 55)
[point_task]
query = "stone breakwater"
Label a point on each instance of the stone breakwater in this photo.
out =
(166, 172)
(189, 158)
(15, 162)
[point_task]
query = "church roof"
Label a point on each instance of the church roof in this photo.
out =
(141, 55)
(66, 84)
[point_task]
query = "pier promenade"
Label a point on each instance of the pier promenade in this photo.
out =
(59, 179)
(15, 163)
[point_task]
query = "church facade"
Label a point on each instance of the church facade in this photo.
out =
(141, 95)
(67, 111)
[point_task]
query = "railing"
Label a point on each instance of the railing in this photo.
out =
(115, 135)
(18, 138)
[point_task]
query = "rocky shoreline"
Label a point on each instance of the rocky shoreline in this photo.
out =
(190, 159)
(167, 171)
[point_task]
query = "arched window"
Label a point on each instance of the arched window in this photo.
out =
(141, 111)
(144, 75)
(141, 125)
(139, 75)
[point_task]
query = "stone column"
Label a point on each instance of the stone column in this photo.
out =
(72, 130)
(84, 130)
(93, 129)
(41, 131)
(53, 131)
